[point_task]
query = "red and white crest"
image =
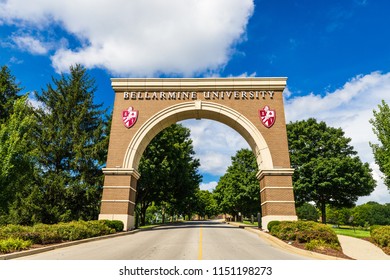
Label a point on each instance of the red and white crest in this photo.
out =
(267, 116)
(129, 117)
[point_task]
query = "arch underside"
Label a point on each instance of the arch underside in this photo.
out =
(199, 110)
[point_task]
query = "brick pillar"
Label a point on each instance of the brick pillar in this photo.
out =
(119, 192)
(276, 195)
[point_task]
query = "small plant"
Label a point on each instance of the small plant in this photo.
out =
(14, 244)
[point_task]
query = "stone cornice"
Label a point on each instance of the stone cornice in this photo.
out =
(121, 171)
(274, 172)
(198, 84)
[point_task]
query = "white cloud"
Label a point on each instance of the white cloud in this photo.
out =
(350, 108)
(214, 144)
(30, 44)
(210, 186)
(139, 38)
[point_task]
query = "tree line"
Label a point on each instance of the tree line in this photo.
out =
(364, 215)
(51, 154)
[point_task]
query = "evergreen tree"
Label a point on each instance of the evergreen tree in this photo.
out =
(327, 170)
(9, 90)
(72, 143)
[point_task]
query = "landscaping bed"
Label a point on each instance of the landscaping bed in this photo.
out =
(308, 235)
(17, 238)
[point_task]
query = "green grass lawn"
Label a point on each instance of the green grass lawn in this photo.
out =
(358, 233)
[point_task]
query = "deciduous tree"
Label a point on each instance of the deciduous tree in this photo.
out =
(327, 170)
(238, 189)
(381, 128)
(17, 153)
(169, 172)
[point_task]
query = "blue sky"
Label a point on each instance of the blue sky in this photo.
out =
(336, 55)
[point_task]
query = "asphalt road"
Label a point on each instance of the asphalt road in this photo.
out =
(187, 241)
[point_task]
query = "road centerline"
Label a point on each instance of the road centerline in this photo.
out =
(200, 249)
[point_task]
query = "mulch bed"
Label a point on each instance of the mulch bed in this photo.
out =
(325, 251)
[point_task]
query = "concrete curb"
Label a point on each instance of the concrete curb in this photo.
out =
(276, 242)
(63, 245)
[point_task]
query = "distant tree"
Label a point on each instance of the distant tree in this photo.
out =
(207, 205)
(372, 213)
(381, 128)
(307, 212)
(339, 216)
(238, 189)
(169, 173)
(72, 143)
(9, 90)
(327, 170)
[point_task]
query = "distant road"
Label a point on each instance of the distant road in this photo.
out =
(205, 240)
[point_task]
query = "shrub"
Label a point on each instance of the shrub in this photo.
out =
(272, 224)
(115, 224)
(285, 230)
(81, 230)
(316, 244)
(46, 234)
(381, 235)
(14, 244)
(314, 231)
(10, 230)
(311, 233)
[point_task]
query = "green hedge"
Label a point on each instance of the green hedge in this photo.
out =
(117, 225)
(312, 234)
(271, 224)
(381, 236)
(47, 234)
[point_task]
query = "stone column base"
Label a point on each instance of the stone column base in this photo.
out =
(266, 219)
(128, 220)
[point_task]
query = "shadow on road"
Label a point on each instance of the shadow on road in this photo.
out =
(194, 224)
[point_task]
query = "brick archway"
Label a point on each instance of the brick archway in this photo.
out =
(162, 102)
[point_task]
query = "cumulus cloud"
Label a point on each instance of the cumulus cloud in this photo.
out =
(208, 186)
(30, 44)
(214, 144)
(138, 38)
(350, 108)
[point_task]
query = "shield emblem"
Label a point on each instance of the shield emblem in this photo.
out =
(129, 117)
(267, 116)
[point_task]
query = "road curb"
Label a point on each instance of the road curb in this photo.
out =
(276, 242)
